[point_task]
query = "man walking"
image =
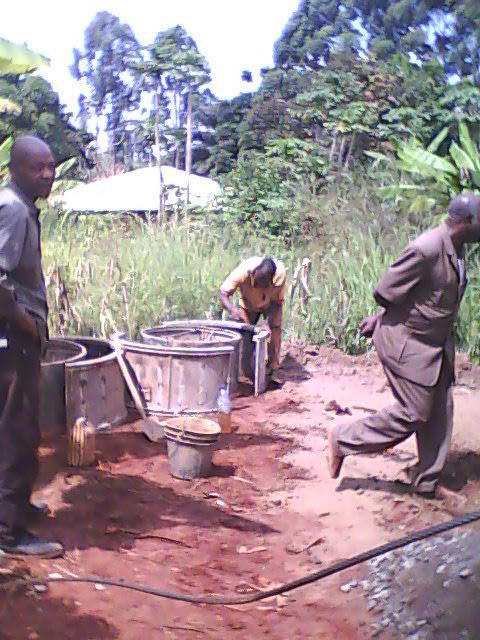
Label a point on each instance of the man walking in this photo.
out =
(414, 338)
(23, 333)
(261, 282)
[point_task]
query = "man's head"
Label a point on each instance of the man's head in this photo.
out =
(464, 215)
(32, 166)
(264, 273)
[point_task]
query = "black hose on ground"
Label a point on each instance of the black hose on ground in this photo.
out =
(461, 521)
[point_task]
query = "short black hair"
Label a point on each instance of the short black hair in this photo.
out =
(464, 207)
(267, 267)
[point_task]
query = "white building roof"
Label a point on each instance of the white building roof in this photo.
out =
(139, 190)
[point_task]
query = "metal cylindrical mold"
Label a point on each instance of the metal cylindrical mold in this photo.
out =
(192, 333)
(94, 386)
(179, 380)
(52, 415)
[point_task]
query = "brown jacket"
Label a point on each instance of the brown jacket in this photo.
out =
(421, 293)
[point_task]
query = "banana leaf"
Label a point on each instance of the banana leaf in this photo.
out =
(437, 141)
(468, 145)
(418, 160)
(5, 151)
(396, 190)
(378, 158)
(461, 157)
(65, 166)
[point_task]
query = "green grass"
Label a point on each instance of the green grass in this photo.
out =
(125, 274)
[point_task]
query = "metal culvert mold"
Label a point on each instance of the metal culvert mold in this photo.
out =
(59, 351)
(94, 386)
(193, 334)
(179, 379)
(249, 352)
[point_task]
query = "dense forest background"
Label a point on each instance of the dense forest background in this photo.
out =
(365, 126)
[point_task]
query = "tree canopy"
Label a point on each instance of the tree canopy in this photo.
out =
(110, 52)
(424, 29)
(38, 110)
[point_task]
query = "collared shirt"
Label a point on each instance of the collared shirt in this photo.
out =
(20, 251)
(255, 298)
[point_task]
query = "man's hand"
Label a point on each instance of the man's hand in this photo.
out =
(15, 315)
(26, 324)
(233, 311)
(236, 315)
(367, 326)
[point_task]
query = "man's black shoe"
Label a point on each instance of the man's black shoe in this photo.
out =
(24, 545)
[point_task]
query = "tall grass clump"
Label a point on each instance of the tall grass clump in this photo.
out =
(342, 292)
(468, 325)
(109, 273)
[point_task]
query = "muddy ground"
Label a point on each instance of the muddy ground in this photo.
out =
(247, 527)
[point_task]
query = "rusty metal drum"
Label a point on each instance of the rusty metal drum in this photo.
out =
(250, 352)
(192, 333)
(179, 380)
(59, 351)
(94, 386)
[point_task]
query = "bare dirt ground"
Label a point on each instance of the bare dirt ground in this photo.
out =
(245, 528)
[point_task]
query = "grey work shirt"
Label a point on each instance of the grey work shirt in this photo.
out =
(20, 252)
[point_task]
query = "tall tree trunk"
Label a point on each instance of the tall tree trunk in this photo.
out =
(350, 150)
(177, 127)
(341, 152)
(188, 147)
(333, 148)
(98, 164)
(161, 198)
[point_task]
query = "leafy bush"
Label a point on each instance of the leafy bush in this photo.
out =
(269, 193)
(435, 178)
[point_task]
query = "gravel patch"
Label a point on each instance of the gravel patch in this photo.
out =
(428, 590)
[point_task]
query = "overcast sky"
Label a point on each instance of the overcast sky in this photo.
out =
(232, 34)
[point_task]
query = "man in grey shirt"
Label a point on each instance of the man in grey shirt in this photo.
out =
(23, 333)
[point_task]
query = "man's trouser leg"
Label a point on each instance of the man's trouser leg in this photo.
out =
(19, 429)
(275, 342)
(275, 324)
(425, 411)
(248, 354)
(435, 437)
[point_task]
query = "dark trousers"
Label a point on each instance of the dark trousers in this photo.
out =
(19, 428)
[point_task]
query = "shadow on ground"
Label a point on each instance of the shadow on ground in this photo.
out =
(107, 511)
(112, 447)
(25, 614)
(460, 469)
(373, 484)
(244, 440)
